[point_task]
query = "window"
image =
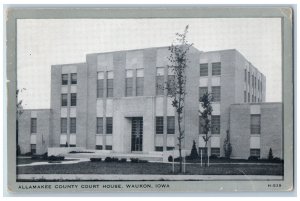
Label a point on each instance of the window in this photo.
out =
(215, 124)
(201, 124)
(72, 125)
(215, 151)
(255, 152)
(170, 125)
(159, 125)
(252, 81)
(64, 79)
(249, 78)
(110, 87)
(64, 99)
(171, 84)
(73, 99)
(202, 91)
(73, 78)
(99, 125)
(252, 98)
(216, 68)
(109, 125)
(255, 124)
(248, 97)
(33, 125)
(216, 93)
(63, 125)
(170, 148)
(245, 96)
(204, 151)
(72, 145)
(159, 149)
(129, 82)
(100, 88)
(99, 147)
(33, 148)
(245, 75)
(108, 147)
(203, 69)
(139, 86)
(159, 85)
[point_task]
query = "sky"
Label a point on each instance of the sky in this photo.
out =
(45, 42)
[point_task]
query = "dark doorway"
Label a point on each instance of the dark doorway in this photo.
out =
(137, 134)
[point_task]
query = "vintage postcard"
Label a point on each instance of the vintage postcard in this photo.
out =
(150, 99)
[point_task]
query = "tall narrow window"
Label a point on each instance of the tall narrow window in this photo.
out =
(216, 93)
(245, 96)
(33, 125)
(110, 84)
(252, 81)
(255, 124)
(255, 152)
(245, 77)
(63, 125)
(203, 69)
(100, 85)
(215, 124)
(248, 97)
(99, 125)
(73, 99)
(64, 79)
(216, 68)
(72, 125)
(64, 100)
(109, 125)
(140, 82)
(129, 83)
(73, 78)
(160, 81)
(171, 84)
(202, 91)
(249, 78)
(170, 125)
(159, 125)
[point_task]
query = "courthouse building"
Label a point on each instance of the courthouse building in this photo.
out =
(114, 102)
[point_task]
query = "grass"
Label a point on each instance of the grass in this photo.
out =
(152, 168)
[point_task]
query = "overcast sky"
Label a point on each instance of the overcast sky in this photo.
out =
(44, 42)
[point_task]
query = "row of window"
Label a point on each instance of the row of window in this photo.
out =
(255, 81)
(73, 99)
(215, 70)
(64, 125)
(216, 151)
(253, 98)
(109, 88)
(215, 124)
(215, 92)
(160, 125)
(139, 86)
(65, 79)
(109, 125)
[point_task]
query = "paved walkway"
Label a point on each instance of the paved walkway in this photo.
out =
(69, 161)
(114, 177)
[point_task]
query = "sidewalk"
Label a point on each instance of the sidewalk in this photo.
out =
(114, 177)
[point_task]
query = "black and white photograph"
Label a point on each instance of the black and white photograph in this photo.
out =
(149, 100)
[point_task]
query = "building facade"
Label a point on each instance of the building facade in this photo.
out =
(115, 101)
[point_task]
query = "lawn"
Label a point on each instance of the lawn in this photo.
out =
(153, 168)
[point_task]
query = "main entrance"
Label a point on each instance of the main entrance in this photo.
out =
(137, 134)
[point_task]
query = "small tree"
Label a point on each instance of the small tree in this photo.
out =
(176, 87)
(19, 112)
(270, 156)
(227, 146)
(194, 153)
(205, 115)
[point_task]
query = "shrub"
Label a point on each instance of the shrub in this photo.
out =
(170, 158)
(28, 154)
(142, 161)
(45, 156)
(114, 160)
(95, 159)
(276, 159)
(213, 156)
(78, 152)
(35, 157)
(134, 160)
(270, 156)
(253, 158)
(56, 158)
(108, 159)
(123, 160)
(194, 153)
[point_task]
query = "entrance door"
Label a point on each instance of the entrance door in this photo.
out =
(137, 134)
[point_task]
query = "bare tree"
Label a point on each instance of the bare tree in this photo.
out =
(176, 84)
(19, 112)
(205, 115)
